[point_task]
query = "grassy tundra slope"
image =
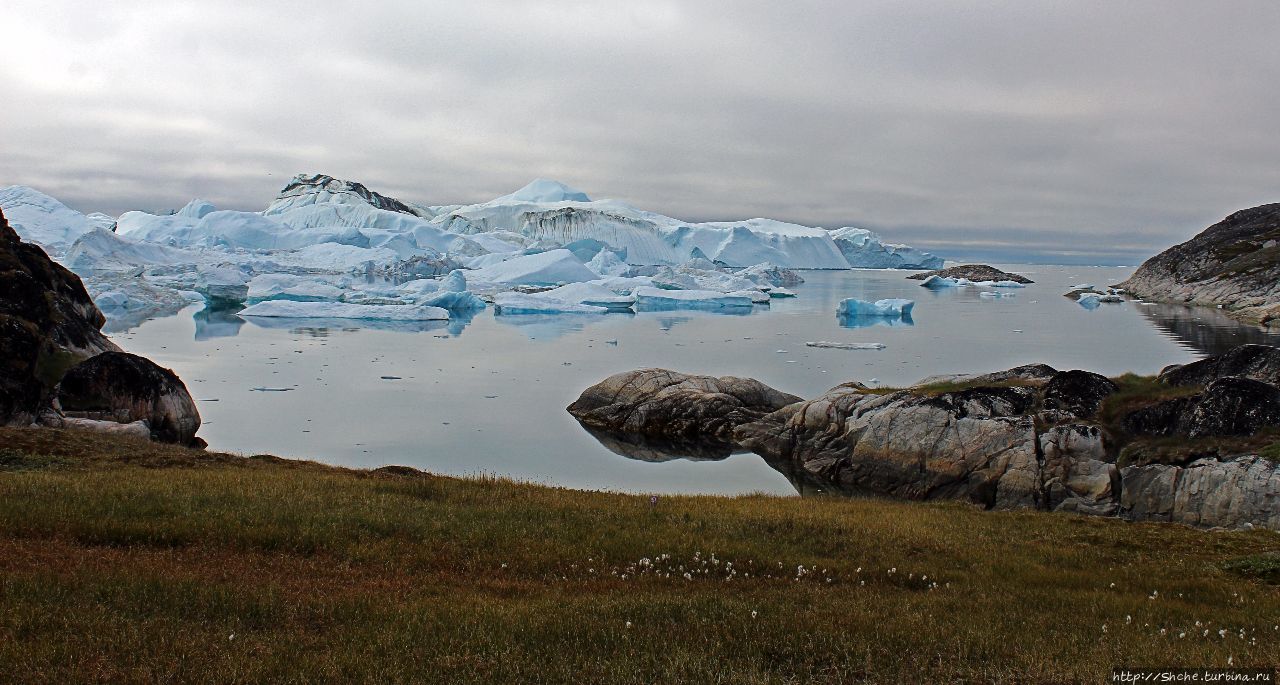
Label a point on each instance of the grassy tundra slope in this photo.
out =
(126, 561)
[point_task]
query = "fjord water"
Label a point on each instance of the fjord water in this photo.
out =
(488, 396)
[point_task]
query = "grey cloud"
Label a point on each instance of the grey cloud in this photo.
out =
(1100, 129)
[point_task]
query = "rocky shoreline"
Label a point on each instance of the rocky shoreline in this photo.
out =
(1233, 265)
(59, 370)
(1030, 437)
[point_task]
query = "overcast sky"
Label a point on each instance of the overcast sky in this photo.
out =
(1070, 130)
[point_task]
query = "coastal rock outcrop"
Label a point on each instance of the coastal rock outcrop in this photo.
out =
(1231, 493)
(1255, 362)
(47, 322)
(1234, 263)
(977, 273)
(672, 406)
(1227, 406)
(123, 387)
(1028, 437)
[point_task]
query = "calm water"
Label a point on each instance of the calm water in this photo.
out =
(489, 395)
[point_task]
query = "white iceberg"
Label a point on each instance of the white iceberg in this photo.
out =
(936, 282)
(855, 308)
(658, 298)
(288, 309)
(521, 303)
(781, 292)
(42, 220)
(222, 285)
(553, 267)
(607, 263)
(864, 249)
(99, 249)
(266, 287)
(592, 293)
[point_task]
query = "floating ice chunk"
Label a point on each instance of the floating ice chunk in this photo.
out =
(287, 309)
(657, 298)
(455, 282)
(687, 277)
(855, 308)
(454, 301)
(290, 287)
(757, 296)
(607, 263)
(222, 285)
(781, 292)
(520, 303)
(995, 295)
(1082, 286)
(845, 346)
(767, 274)
(591, 293)
(1001, 284)
(936, 282)
(545, 268)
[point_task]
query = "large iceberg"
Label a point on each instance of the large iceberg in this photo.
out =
(865, 249)
(43, 220)
(521, 303)
(266, 287)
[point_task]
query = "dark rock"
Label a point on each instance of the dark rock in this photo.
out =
(1235, 263)
(657, 403)
(1255, 362)
(973, 272)
(322, 183)
(47, 323)
(123, 387)
(1077, 392)
(1227, 406)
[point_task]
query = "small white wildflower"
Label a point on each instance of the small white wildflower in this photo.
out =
(628, 624)
(1104, 627)
(688, 576)
(1222, 633)
(1181, 635)
(1128, 618)
(753, 613)
(231, 636)
(504, 566)
(1162, 631)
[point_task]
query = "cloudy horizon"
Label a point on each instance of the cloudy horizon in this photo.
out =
(1087, 132)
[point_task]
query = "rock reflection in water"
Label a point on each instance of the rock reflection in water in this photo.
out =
(1205, 329)
(639, 448)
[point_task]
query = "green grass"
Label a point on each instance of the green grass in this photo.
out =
(126, 561)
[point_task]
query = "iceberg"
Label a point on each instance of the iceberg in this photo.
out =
(690, 277)
(100, 249)
(936, 282)
(553, 267)
(521, 303)
(222, 285)
(651, 298)
(266, 287)
(608, 263)
(781, 292)
(288, 309)
(43, 220)
(866, 250)
(766, 274)
(855, 308)
(591, 293)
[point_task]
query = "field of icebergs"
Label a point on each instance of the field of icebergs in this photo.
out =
(332, 249)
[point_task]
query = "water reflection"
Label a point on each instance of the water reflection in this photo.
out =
(640, 448)
(292, 324)
(1204, 329)
(218, 323)
(853, 321)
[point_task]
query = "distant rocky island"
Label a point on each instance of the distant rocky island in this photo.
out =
(1234, 264)
(977, 273)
